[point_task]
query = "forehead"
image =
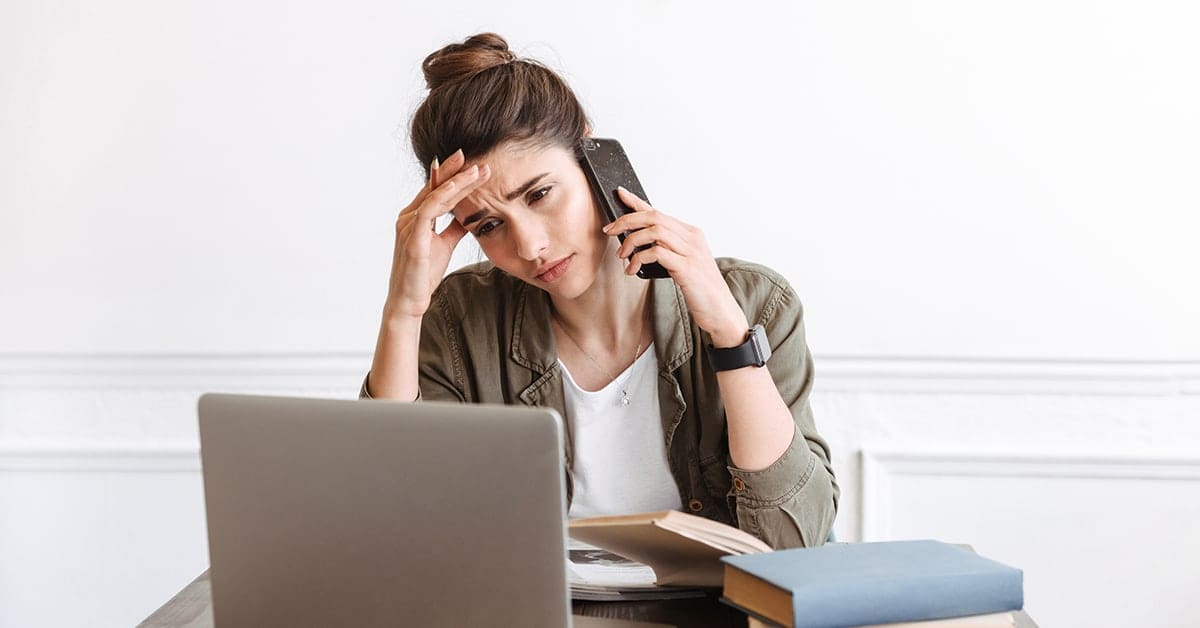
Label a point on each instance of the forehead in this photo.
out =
(512, 155)
(513, 165)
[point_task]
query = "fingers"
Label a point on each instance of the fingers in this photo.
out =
(439, 171)
(643, 214)
(648, 226)
(633, 200)
(449, 182)
(442, 200)
(452, 234)
(667, 240)
(669, 259)
(406, 214)
(436, 204)
(449, 168)
(655, 235)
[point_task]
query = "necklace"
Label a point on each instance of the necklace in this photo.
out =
(595, 363)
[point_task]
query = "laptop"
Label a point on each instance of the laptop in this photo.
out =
(326, 512)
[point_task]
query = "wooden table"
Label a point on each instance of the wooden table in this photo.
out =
(192, 608)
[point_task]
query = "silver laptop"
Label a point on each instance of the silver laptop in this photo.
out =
(329, 512)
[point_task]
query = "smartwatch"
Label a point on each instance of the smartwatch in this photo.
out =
(754, 352)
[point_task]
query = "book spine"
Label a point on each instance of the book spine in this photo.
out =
(884, 601)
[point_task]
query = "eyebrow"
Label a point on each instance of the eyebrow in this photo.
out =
(510, 197)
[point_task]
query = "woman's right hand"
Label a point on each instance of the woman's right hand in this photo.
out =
(422, 254)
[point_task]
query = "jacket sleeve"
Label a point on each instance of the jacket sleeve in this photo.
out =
(440, 374)
(791, 503)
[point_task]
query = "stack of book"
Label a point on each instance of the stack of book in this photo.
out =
(895, 583)
(901, 584)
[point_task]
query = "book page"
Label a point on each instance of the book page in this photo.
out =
(599, 575)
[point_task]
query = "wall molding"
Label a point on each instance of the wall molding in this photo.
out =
(1022, 376)
(834, 374)
(879, 466)
(182, 371)
(61, 459)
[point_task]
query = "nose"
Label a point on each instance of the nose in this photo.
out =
(530, 238)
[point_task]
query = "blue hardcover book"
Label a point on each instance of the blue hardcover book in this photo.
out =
(858, 584)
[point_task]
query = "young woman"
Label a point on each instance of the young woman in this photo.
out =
(657, 415)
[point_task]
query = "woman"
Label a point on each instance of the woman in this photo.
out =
(558, 318)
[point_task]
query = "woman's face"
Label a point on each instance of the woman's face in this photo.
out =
(535, 219)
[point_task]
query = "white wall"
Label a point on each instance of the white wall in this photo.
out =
(988, 210)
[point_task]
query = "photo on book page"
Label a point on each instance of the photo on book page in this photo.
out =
(600, 575)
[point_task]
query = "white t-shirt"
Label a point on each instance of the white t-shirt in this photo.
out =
(620, 458)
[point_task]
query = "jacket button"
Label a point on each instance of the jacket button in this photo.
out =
(738, 484)
(695, 505)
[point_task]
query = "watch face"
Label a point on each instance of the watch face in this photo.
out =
(762, 347)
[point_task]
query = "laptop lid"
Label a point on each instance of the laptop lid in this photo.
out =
(374, 513)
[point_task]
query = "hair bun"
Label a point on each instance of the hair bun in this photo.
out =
(458, 62)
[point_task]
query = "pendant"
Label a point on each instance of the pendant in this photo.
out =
(624, 398)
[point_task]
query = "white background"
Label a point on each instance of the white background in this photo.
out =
(988, 210)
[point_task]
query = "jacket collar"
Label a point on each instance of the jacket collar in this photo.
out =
(533, 343)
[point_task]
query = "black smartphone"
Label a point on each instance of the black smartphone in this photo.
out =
(606, 166)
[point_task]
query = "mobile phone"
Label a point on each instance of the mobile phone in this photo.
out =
(607, 167)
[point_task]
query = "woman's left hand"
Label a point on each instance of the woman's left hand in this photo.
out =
(683, 252)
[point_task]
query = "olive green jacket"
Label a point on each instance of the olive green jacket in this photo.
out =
(486, 339)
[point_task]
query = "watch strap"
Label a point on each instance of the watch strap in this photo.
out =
(755, 351)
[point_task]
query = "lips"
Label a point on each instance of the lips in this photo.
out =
(554, 270)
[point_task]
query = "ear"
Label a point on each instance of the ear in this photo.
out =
(587, 131)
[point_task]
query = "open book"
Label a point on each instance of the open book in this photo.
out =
(682, 549)
(599, 575)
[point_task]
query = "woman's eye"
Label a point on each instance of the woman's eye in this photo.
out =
(537, 195)
(486, 228)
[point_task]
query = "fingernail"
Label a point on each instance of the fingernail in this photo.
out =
(458, 152)
(435, 165)
(606, 228)
(484, 170)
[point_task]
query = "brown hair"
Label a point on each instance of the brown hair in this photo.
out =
(482, 95)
